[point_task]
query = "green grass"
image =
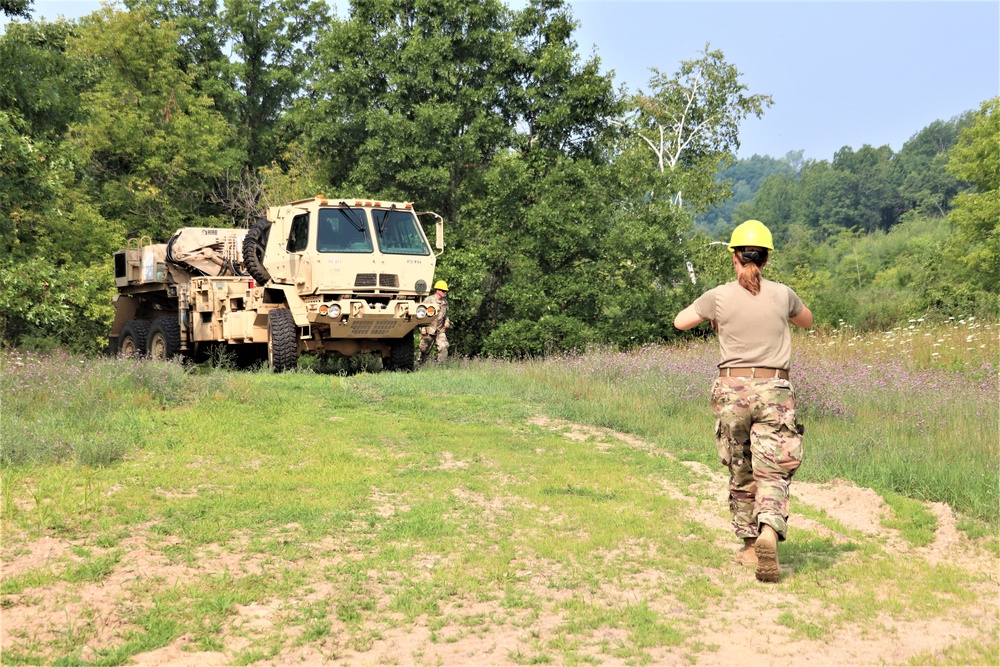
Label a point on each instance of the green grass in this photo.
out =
(915, 523)
(962, 653)
(358, 506)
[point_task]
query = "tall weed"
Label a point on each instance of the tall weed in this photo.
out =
(912, 410)
(90, 411)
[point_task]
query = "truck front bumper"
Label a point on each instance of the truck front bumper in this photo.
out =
(357, 318)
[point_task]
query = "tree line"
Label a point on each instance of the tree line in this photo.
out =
(575, 210)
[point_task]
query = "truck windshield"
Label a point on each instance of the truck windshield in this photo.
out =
(399, 234)
(343, 231)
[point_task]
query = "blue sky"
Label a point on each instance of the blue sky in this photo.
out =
(841, 73)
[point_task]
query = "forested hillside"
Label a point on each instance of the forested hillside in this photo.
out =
(571, 205)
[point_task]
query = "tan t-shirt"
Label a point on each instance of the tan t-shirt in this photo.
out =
(753, 330)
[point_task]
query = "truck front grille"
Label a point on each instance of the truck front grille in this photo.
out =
(388, 280)
(371, 328)
(365, 280)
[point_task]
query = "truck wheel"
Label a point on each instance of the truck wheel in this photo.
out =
(132, 339)
(254, 245)
(400, 355)
(282, 340)
(164, 338)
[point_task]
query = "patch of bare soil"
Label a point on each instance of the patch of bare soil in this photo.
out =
(487, 632)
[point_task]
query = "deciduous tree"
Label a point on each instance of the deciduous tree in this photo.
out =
(16, 7)
(976, 215)
(152, 145)
(690, 121)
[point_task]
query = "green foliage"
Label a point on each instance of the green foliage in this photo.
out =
(40, 80)
(536, 247)
(665, 172)
(16, 7)
(976, 215)
(151, 143)
(868, 189)
(44, 305)
(876, 280)
(862, 191)
(689, 121)
(488, 117)
(25, 182)
(39, 88)
(863, 239)
(927, 186)
(293, 176)
(745, 178)
(408, 98)
(271, 42)
(552, 334)
(645, 279)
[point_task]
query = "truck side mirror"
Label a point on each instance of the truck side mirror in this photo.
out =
(439, 233)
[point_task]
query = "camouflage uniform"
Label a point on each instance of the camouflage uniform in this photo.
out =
(435, 331)
(759, 440)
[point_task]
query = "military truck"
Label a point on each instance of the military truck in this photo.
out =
(316, 276)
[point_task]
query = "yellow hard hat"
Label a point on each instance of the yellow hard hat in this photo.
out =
(751, 233)
(441, 285)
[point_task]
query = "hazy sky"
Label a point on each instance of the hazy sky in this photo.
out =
(841, 73)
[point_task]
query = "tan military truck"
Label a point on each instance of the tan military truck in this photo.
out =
(317, 276)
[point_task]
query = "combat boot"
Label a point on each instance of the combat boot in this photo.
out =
(766, 548)
(747, 556)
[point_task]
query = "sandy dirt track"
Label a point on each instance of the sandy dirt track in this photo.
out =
(726, 635)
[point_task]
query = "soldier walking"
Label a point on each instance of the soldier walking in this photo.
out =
(434, 333)
(756, 428)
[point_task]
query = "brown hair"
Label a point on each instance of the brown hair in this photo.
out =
(748, 272)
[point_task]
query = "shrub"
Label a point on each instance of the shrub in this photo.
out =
(552, 334)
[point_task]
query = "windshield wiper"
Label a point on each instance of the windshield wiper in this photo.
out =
(385, 216)
(356, 221)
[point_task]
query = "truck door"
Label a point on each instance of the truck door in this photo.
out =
(298, 242)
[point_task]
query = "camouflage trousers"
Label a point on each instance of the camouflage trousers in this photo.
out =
(428, 339)
(758, 439)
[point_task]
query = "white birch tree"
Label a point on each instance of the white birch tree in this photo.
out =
(688, 123)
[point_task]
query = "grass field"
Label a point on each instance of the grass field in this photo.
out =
(555, 511)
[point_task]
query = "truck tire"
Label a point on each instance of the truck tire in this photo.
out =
(400, 355)
(164, 338)
(132, 339)
(254, 246)
(282, 340)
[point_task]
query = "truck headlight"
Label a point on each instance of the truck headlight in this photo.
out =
(335, 310)
(421, 312)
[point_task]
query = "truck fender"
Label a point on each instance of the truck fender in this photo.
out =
(125, 309)
(294, 303)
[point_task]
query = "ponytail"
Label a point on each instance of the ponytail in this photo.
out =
(748, 268)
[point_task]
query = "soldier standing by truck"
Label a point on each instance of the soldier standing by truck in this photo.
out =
(435, 331)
